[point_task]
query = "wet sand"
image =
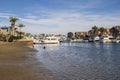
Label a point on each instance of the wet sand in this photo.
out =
(17, 62)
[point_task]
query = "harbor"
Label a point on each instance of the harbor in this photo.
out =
(81, 61)
(60, 40)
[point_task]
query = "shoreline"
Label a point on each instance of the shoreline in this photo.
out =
(18, 62)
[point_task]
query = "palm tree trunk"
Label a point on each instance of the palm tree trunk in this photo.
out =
(13, 27)
(20, 32)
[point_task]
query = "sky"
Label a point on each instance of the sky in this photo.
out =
(60, 16)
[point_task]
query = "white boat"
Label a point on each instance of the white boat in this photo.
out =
(36, 41)
(105, 39)
(76, 40)
(96, 38)
(113, 40)
(118, 41)
(50, 40)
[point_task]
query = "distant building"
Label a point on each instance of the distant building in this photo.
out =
(118, 28)
(4, 30)
(61, 37)
(80, 34)
(108, 30)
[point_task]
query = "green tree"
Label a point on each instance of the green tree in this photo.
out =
(76, 36)
(102, 30)
(90, 32)
(43, 35)
(70, 35)
(95, 29)
(27, 34)
(114, 31)
(13, 21)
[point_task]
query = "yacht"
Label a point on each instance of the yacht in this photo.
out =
(36, 41)
(50, 40)
(76, 40)
(113, 40)
(118, 41)
(105, 39)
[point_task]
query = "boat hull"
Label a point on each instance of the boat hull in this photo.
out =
(49, 42)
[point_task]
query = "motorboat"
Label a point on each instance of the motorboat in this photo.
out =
(105, 39)
(118, 41)
(50, 40)
(36, 41)
(96, 38)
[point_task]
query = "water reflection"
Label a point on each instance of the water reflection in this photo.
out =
(81, 60)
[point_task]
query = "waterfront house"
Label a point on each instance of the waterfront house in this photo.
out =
(79, 35)
(4, 30)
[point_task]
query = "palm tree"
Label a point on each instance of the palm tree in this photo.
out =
(20, 26)
(70, 35)
(13, 21)
(95, 29)
(90, 33)
(102, 30)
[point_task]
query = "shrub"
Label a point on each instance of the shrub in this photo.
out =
(11, 38)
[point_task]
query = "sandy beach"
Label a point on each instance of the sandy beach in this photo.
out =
(17, 62)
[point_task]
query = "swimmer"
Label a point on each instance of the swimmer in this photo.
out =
(44, 47)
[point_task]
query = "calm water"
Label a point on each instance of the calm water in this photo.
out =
(81, 61)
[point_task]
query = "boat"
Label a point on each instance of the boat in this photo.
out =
(90, 40)
(113, 40)
(50, 40)
(105, 39)
(36, 41)
(76, 40)
(118, 41)
(96, 38)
